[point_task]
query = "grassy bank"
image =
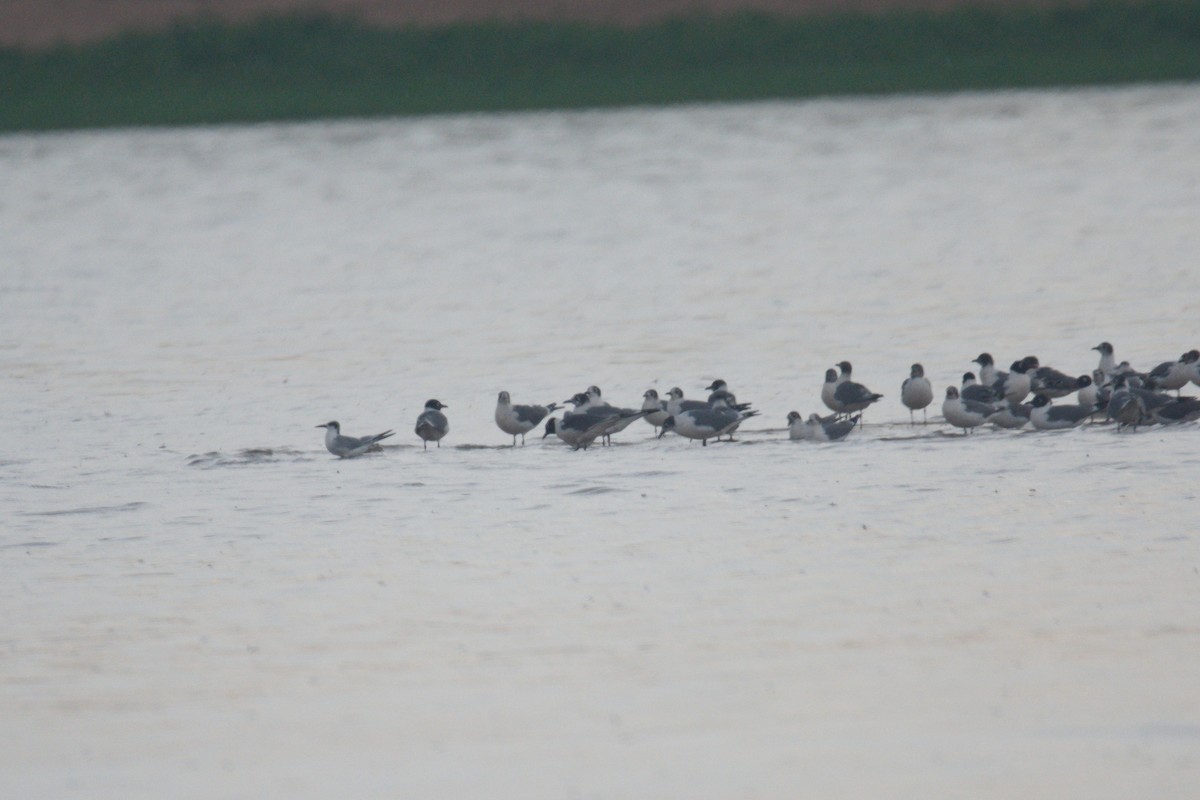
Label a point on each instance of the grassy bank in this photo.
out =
(305, 67)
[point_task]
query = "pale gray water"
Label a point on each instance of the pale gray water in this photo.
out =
(199, 601)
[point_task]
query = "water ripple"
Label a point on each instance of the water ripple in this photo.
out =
(85, 510)
(252, 455)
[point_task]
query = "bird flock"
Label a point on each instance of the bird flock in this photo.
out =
(1114, 392)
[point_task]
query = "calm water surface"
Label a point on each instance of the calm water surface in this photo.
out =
(198, 601)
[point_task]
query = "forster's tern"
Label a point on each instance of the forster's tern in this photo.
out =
(349, 446)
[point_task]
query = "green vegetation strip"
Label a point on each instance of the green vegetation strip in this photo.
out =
(292, 67)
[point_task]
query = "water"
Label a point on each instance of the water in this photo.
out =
(199, 601)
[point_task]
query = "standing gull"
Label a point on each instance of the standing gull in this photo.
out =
(1124, 407)
(720, 392)
(656, 409)
(432, 424)
(589, 404)
(828, 388)
(349, 446)
(676, 403)
(965, 414)
(849, 397)
(712, 422)
(519, 419)
(1108, 361)
(916, 393)
(580, 430)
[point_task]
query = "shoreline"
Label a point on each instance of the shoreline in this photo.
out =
(319, 67)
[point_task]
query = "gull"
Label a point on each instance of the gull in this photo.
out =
(1124, 369)
(586, 404)
(594, 399)
(1011, 416)
(519, 419)
(676, 403)
(1124, 407)
(656, 409)
(798, 426)
(1016, 385)
(1183, 409)
(594, 403)
(1108, 362)
(828, 388)
(849, 397)
(581, 429)
(988, 374)
(712, 422)
(720, 391)
(1173, 374)
(350, 446)
(1093, 394)
(916, 393)
(432, 424)
(1148, 398)
(965, 414)
(1047, 417)
(720, 400)
(973, 390)
(1052, 383)
(819, 429)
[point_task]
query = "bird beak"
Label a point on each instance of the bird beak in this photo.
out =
(322, 426)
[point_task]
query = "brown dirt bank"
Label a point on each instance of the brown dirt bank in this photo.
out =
(39, 23)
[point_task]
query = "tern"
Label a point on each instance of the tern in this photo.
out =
(350, 446)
